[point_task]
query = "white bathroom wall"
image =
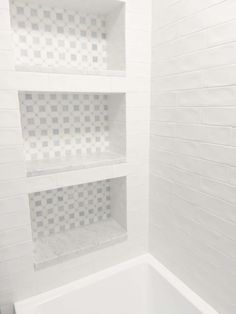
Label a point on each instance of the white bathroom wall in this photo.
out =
(193, 147)
(17, 276)
(115, 42)
(117, 123)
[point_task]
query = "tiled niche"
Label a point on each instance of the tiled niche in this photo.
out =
(68, 131)
(53, 36)
(75, 220)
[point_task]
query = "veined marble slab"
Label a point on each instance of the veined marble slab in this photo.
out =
(63, 246)
(42, 167)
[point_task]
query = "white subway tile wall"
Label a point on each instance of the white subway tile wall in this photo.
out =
(17, 276)
(15, 232)
(193, 152)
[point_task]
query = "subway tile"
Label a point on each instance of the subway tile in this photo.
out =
(9, 119)
(9, 171)
(15, 236)
(8, 99)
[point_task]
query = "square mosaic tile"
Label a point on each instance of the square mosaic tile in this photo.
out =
(53, 37)
(63, 209)
(60, 125)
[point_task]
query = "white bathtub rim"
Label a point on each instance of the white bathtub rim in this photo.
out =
(26, 305)
(181, 287)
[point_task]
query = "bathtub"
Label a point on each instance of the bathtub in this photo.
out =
(138, 286)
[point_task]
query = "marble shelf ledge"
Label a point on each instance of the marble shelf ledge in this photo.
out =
(68, 70)
(67, 82)
(75, 177)
(49, 166)
(60, 247)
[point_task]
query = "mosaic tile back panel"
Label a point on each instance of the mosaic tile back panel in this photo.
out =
(53, 37)
(58, 125)
(63, 209)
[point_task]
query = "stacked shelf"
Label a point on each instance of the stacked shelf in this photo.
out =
(74, 220)
(70, 74)
(65, 131)
(66, 38)
(40, 167)
(76, 242)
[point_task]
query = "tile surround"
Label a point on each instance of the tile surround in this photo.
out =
(66, 131)
(192, 190)
(21, 280)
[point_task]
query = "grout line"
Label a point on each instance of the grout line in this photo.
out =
(190, 16)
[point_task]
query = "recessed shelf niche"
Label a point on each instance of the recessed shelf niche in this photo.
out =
(75, 220)
(83, 36)
(70, 131)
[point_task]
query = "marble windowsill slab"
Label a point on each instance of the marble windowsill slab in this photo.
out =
(63, 246)
(50, 166)
(63, 70)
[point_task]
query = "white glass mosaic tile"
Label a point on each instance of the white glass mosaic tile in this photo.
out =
(64, 209)
(69, 131)
(57, 125)
(75, 220)
(57, 38)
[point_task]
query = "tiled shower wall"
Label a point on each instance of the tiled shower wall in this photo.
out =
(193, 146)
(17, 276)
